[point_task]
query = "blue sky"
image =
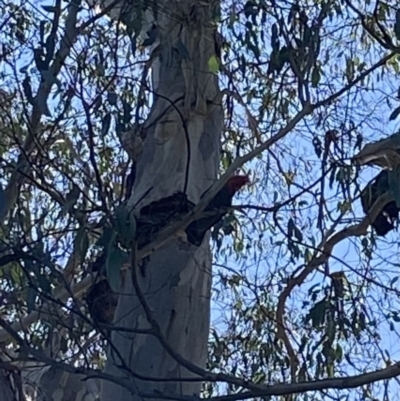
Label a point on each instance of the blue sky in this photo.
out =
(258, 266)
(376, 126)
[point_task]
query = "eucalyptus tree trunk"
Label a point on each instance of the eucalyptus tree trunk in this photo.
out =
(181, 152)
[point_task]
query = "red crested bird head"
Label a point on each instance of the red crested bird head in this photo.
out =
(236, 182)
(224, 197)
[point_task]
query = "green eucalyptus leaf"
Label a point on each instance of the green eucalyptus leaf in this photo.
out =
(70, 199)
(397, 25)
(82, 242)
(112, 98)
(3, 201)
(105, 125)
(116, 258)
(213, 64)
(395, 113)
(291, 227)
(50, 9)
(121, 217)
(31, 298)
(44, 283)
(107, 237)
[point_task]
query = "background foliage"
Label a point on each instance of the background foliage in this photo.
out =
(282, 310)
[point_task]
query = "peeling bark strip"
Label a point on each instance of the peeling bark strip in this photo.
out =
(181, 153)
(384, 153)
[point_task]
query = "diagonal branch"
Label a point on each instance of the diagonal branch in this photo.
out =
(325, 253)
(22, 167)
(254, 390)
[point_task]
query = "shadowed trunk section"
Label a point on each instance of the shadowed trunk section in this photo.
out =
(7, 393)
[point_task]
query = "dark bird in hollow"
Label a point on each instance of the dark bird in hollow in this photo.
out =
(101, 301)
(215, 210)
(384, 221)
(151, 215)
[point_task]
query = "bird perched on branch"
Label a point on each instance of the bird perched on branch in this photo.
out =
(215, 210)
(155, 216)
(385, 220)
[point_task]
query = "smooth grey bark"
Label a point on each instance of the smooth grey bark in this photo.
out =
(53, 384)
(181, 146)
